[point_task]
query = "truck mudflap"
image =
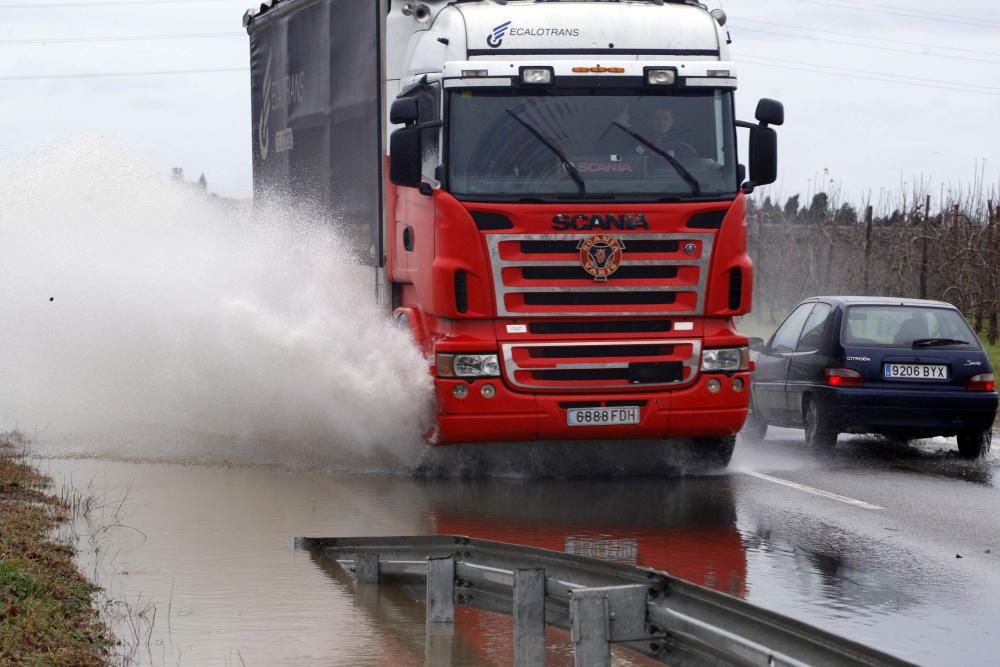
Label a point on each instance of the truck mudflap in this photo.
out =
(486, 410)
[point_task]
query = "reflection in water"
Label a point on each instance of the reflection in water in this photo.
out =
(686, 527)
(215, 558)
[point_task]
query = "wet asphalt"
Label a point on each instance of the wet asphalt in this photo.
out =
(892, 544)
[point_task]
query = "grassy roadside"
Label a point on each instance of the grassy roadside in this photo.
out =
(46, 614)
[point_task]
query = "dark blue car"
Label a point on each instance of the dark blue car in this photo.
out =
(903, 368)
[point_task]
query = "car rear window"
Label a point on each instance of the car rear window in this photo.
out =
(901, 326)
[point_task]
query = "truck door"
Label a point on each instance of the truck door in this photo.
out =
(772, 366)
(806, 366)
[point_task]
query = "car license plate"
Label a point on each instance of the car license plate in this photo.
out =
(628, 414)
(915, 372)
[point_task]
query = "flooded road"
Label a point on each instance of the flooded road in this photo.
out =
(897, 546)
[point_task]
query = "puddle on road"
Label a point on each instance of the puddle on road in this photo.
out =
(215, 564)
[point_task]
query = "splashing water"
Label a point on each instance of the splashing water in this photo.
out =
(142, 318)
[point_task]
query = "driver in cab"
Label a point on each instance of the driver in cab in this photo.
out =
(655, 132)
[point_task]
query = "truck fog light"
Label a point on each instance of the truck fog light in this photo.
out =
(738, 384)
(488, 391)
(460, 391)
(714, 386)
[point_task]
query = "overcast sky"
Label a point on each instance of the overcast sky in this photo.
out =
(877, 93)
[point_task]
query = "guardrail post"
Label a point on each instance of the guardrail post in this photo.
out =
(589, 621)
(440, 589)
(439, 643)
(529, 618)
(366, 568)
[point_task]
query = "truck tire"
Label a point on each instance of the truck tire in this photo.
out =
(975, 444)
(755, 428)
(714, 453)
(819, 433)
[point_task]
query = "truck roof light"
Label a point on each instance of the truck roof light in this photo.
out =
(661, 76)
(599, 70)
(537, 75)
(475, 72)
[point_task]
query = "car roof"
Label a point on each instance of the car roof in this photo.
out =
(880, 301)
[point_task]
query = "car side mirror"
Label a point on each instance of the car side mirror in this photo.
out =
(756, 344)
(405, 163)
(763, 155)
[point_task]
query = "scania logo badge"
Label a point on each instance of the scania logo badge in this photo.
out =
(601, 256)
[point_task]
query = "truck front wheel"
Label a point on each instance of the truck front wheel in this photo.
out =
(714, 453)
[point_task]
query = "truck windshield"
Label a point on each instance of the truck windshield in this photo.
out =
(571, 144)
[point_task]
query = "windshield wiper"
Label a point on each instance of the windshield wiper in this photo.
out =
(566, 164)
(685, 174)
(935, 342)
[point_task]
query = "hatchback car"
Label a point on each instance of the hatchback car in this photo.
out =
(896, 367)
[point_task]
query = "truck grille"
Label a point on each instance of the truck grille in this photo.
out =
(541, 274)
(586, 366)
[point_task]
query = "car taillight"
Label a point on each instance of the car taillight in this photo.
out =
(983, 382)
(844, 377)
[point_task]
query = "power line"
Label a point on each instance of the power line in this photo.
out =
(119, 38)
(856, 35)
(871, 46)
(884, 77)
(109, 75)
(912, 10)
(978, 23)
(104, 3)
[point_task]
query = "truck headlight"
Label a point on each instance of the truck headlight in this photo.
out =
(725, 360)
(467, 365)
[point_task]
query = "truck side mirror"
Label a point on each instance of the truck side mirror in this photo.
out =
(405, 110)
(770, 112)
(405, 163)
(763, 155)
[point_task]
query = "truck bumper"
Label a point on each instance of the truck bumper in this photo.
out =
(510, 416)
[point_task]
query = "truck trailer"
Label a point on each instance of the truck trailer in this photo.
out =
(547, 195)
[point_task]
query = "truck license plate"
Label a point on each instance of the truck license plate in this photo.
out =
(628, 414)
(916, 371)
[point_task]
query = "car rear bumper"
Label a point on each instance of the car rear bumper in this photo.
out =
(858, 410)
(511, 416)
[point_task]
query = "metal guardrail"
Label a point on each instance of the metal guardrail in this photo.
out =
(600, 602)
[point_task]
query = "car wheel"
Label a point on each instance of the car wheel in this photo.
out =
(974, 444)
(714, 453)
(819, 434)
(755, 428)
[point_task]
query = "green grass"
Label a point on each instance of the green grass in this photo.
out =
(46, 612)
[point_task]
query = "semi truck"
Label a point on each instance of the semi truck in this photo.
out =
(547, 195)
